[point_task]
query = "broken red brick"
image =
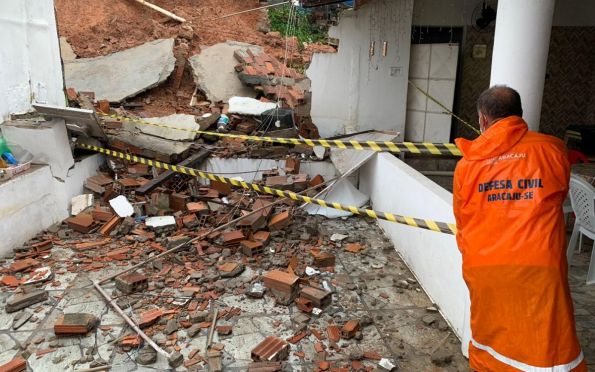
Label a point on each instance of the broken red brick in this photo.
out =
(199, 208)
(319, 347)
(71, 94)
(224, 330)
(132, 282)
(102, 214)
(292, 165)
(318, 297)
(334, 333)
(222, 188)
(110, 225)
(281, 281)
(87, 245)
(103, 106)
(296, 338)
(262, 236)
(10, 281)
(323, 259)
(372, 355)
(82, 222)
(316, 180)
(251, 248)
(270, 349)
(318, 334)
(350, 329)
(304, 305)
(280, 221)
(23, 265)
(149, 317)
(177, 201)
(75, 324)
(233, 237)
(132, 341)
(18, 364)
(353, 247)
(324, 365)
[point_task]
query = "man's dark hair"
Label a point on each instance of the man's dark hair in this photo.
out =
(499, 102)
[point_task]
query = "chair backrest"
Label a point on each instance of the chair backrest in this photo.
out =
(582, 197)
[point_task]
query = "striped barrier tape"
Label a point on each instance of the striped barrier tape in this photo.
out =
(395, 147)
(443, 227)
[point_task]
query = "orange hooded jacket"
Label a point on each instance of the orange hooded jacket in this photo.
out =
(508, 194)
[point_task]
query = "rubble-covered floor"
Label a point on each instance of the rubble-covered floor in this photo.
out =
(373, 286)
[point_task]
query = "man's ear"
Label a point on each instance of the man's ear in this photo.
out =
(483, 122)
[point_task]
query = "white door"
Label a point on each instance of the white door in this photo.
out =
(433, 68)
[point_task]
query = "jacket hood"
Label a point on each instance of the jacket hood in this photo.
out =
(495, 141)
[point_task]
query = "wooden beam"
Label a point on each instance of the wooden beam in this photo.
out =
(192, 161)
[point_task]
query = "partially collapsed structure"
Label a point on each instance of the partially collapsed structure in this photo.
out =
(260, 217)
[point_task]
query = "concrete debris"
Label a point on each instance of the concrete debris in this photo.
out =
(66, 51)
(220, 280)
(20, 319)
(249, 106)
(215, 74)
(80, 203)
(124, 74)
(146, 356)
(22, 300)
(186, 122)
(122, 206)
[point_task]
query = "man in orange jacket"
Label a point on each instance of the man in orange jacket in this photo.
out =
(509, 188)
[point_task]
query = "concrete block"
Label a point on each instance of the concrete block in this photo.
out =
(23, 300)
(47, 141)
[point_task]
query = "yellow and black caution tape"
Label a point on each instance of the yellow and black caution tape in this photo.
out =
(474, 129)
(395, 147)
(443, 227)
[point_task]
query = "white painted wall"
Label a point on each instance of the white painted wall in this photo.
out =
(352, 91)
(459, 12)
(433, 257)
(30, 67)
(31, 71)
(33, 201)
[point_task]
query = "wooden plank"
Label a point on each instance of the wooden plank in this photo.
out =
(192, 161)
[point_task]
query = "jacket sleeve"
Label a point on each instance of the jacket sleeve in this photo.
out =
(458, 202)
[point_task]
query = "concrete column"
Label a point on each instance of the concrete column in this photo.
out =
(521, 48)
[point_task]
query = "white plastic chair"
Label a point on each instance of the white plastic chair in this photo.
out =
(582, 197)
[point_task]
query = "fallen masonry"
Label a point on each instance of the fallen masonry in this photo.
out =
(201, 275)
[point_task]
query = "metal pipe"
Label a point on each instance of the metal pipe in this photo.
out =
(130, 321)
(250, 10)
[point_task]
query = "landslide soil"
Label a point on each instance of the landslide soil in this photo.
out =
(100, 27)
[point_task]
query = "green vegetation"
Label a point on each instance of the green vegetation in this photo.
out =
(305, 31)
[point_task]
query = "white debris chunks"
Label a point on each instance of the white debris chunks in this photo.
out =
(124, 74)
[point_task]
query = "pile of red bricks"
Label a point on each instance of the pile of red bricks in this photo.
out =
(269, 76)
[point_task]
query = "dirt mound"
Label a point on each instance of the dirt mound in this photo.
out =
(100, 27)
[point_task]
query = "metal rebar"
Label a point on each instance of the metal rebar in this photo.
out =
(130, 321)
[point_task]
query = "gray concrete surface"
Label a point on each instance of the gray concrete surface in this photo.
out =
(214, 71)
(183, 121)
(124, 74)
(365, 286)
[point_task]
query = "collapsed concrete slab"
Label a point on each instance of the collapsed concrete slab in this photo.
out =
(124, 74)
(215, 74)
(168, 123)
